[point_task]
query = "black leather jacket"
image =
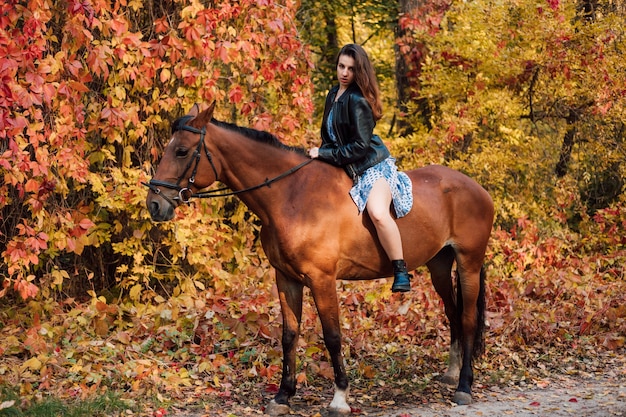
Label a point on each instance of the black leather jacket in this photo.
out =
(357, 148)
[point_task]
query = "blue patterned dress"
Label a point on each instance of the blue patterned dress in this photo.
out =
(399, 183)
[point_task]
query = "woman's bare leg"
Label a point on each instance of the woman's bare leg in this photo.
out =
(378, 205)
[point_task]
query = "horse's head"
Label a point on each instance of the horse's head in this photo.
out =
(186, 167)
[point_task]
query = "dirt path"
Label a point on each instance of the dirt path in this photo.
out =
(567, 397)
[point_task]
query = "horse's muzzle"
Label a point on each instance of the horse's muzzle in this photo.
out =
(160, 212)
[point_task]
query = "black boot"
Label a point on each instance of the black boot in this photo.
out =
(401, 278)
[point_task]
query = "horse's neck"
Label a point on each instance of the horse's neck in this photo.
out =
(247, 163)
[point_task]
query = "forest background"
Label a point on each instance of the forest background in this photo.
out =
(527, 97)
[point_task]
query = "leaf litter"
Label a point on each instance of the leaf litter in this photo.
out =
(216, 354)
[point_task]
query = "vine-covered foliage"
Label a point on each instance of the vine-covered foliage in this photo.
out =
(88, 91)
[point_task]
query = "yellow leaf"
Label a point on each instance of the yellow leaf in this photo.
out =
(165, 75)
(135, 291)
(204, 366)
(33, 364)
(119, 92)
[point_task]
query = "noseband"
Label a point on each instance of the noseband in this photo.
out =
(185, 193)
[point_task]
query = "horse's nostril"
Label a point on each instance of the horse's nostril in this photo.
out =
(154, 207)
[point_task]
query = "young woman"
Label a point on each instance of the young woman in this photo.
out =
(352, 109)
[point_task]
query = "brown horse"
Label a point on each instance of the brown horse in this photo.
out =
(313, 235)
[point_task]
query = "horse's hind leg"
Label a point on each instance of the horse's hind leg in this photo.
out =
(440, 268)
(290, 295)
(472, 300)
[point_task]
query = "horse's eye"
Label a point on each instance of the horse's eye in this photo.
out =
(181, 152)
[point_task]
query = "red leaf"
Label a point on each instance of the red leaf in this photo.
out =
(271, 388)
(554, 4)
(86, 224)
(535, 404)
(49, 92)
(160, 412)
(573, 400)
(235, 95)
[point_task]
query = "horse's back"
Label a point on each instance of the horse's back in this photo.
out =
(449, 208)
(443, 181)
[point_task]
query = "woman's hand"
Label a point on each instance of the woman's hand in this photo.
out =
(314, 152)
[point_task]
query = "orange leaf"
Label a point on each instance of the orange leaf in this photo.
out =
(26, 289)
(161, 25)
(32, 185)
(119, 26)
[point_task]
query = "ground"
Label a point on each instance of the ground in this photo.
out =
(580, 395)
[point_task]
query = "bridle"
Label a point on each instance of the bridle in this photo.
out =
(185, 194)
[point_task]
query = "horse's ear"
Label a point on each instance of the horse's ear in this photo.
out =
(204, 117)
(195, 109)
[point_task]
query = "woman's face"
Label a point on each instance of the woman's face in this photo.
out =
(345, 70)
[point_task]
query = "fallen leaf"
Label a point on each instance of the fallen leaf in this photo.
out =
(271, 388)
(161, 412)
(6, 404)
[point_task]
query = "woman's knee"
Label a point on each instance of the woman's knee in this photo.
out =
(379, 202)
(379, 214)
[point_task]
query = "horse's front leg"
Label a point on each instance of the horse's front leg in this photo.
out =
(290, 295)
(325, 296)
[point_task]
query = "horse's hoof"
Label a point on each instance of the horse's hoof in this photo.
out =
(462, 398)
(338, 412)
(449, 380)
(275, 409)
(339, 405)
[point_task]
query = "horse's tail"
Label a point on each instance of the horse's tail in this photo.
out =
(479, 335)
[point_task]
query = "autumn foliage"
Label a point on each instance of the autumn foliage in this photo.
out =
(96, 297)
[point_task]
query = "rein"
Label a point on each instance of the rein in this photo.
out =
(219, 192)
(185, 194)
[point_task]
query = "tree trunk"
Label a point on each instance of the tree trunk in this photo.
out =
(410, 53)
(567, 146)
(403, 84)
(332, 45)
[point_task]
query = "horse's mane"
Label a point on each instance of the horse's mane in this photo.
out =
(258, 135)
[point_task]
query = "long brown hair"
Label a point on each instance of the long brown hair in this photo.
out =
(364, 76)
